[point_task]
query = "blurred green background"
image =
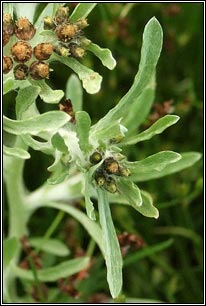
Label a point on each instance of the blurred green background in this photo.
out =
(175, 274)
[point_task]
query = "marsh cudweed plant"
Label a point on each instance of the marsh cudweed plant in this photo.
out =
(88, 158)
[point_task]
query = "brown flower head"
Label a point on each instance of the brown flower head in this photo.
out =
(7, 64)
(21, 72)
(21, 51)
(39, 70)
(43, 51)
(24, 29)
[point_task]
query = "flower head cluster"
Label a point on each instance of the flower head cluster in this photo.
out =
(25, 60)
(70, 34)
(31, 61)
(106, 173)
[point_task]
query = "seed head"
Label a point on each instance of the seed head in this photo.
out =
(49, 23)
(43, 51)
(24, 29)
(110, 185)
(21, 51)
(100, 177)
(39, 70)
(62, 51)
(82, 23)
(111, 165)
(124, 171)
(21, 72)
(61, 15)
(8, 25)
(76, 51)
(95, 158)
(6, 38)
(66, 32)
(7, 64)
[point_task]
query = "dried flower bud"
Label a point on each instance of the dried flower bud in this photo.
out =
(6, 38)
(66, 31)
(111, 165)
(62, 51)
(21, 51)
(7, 64)
(100, 177)
(24, 29)
(43, 51)
(82, 23)
(124, 171)
(76, 51)
(95, 158)
(8, 25)
(62, 14)
(110, 185)
(21, 72)
(49, 23)
(39, 70)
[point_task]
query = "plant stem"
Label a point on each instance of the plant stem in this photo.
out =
(52, 228)
(18, 213)
(90, 248)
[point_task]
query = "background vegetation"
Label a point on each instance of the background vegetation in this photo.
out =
(173, 274)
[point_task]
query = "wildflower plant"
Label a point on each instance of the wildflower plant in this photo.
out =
(89, 159)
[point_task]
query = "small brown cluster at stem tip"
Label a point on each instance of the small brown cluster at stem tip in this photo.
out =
(7, 64)
(24, 29)
(43, 51)
(104, 175)
(21, 51)
(39, 70)
(21, 72)
(69, 34)
(69, 42)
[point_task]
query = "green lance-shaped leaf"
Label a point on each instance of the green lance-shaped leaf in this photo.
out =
(91, 80)
(52, 274)
(147, 209)
(16, 152)
(112, 132)
(48, 122)
(150, 52)
(188, 159)
(88, 202)
(139, 110)
(157, 128)
(74, 92)
(51, 245)
(82, 10)
(25, 98)
(140, 170)
(10, 247)
(130, 191)
(47, 94)
(83, 123)
(111, 248)
(91, 227)
(105, 55)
